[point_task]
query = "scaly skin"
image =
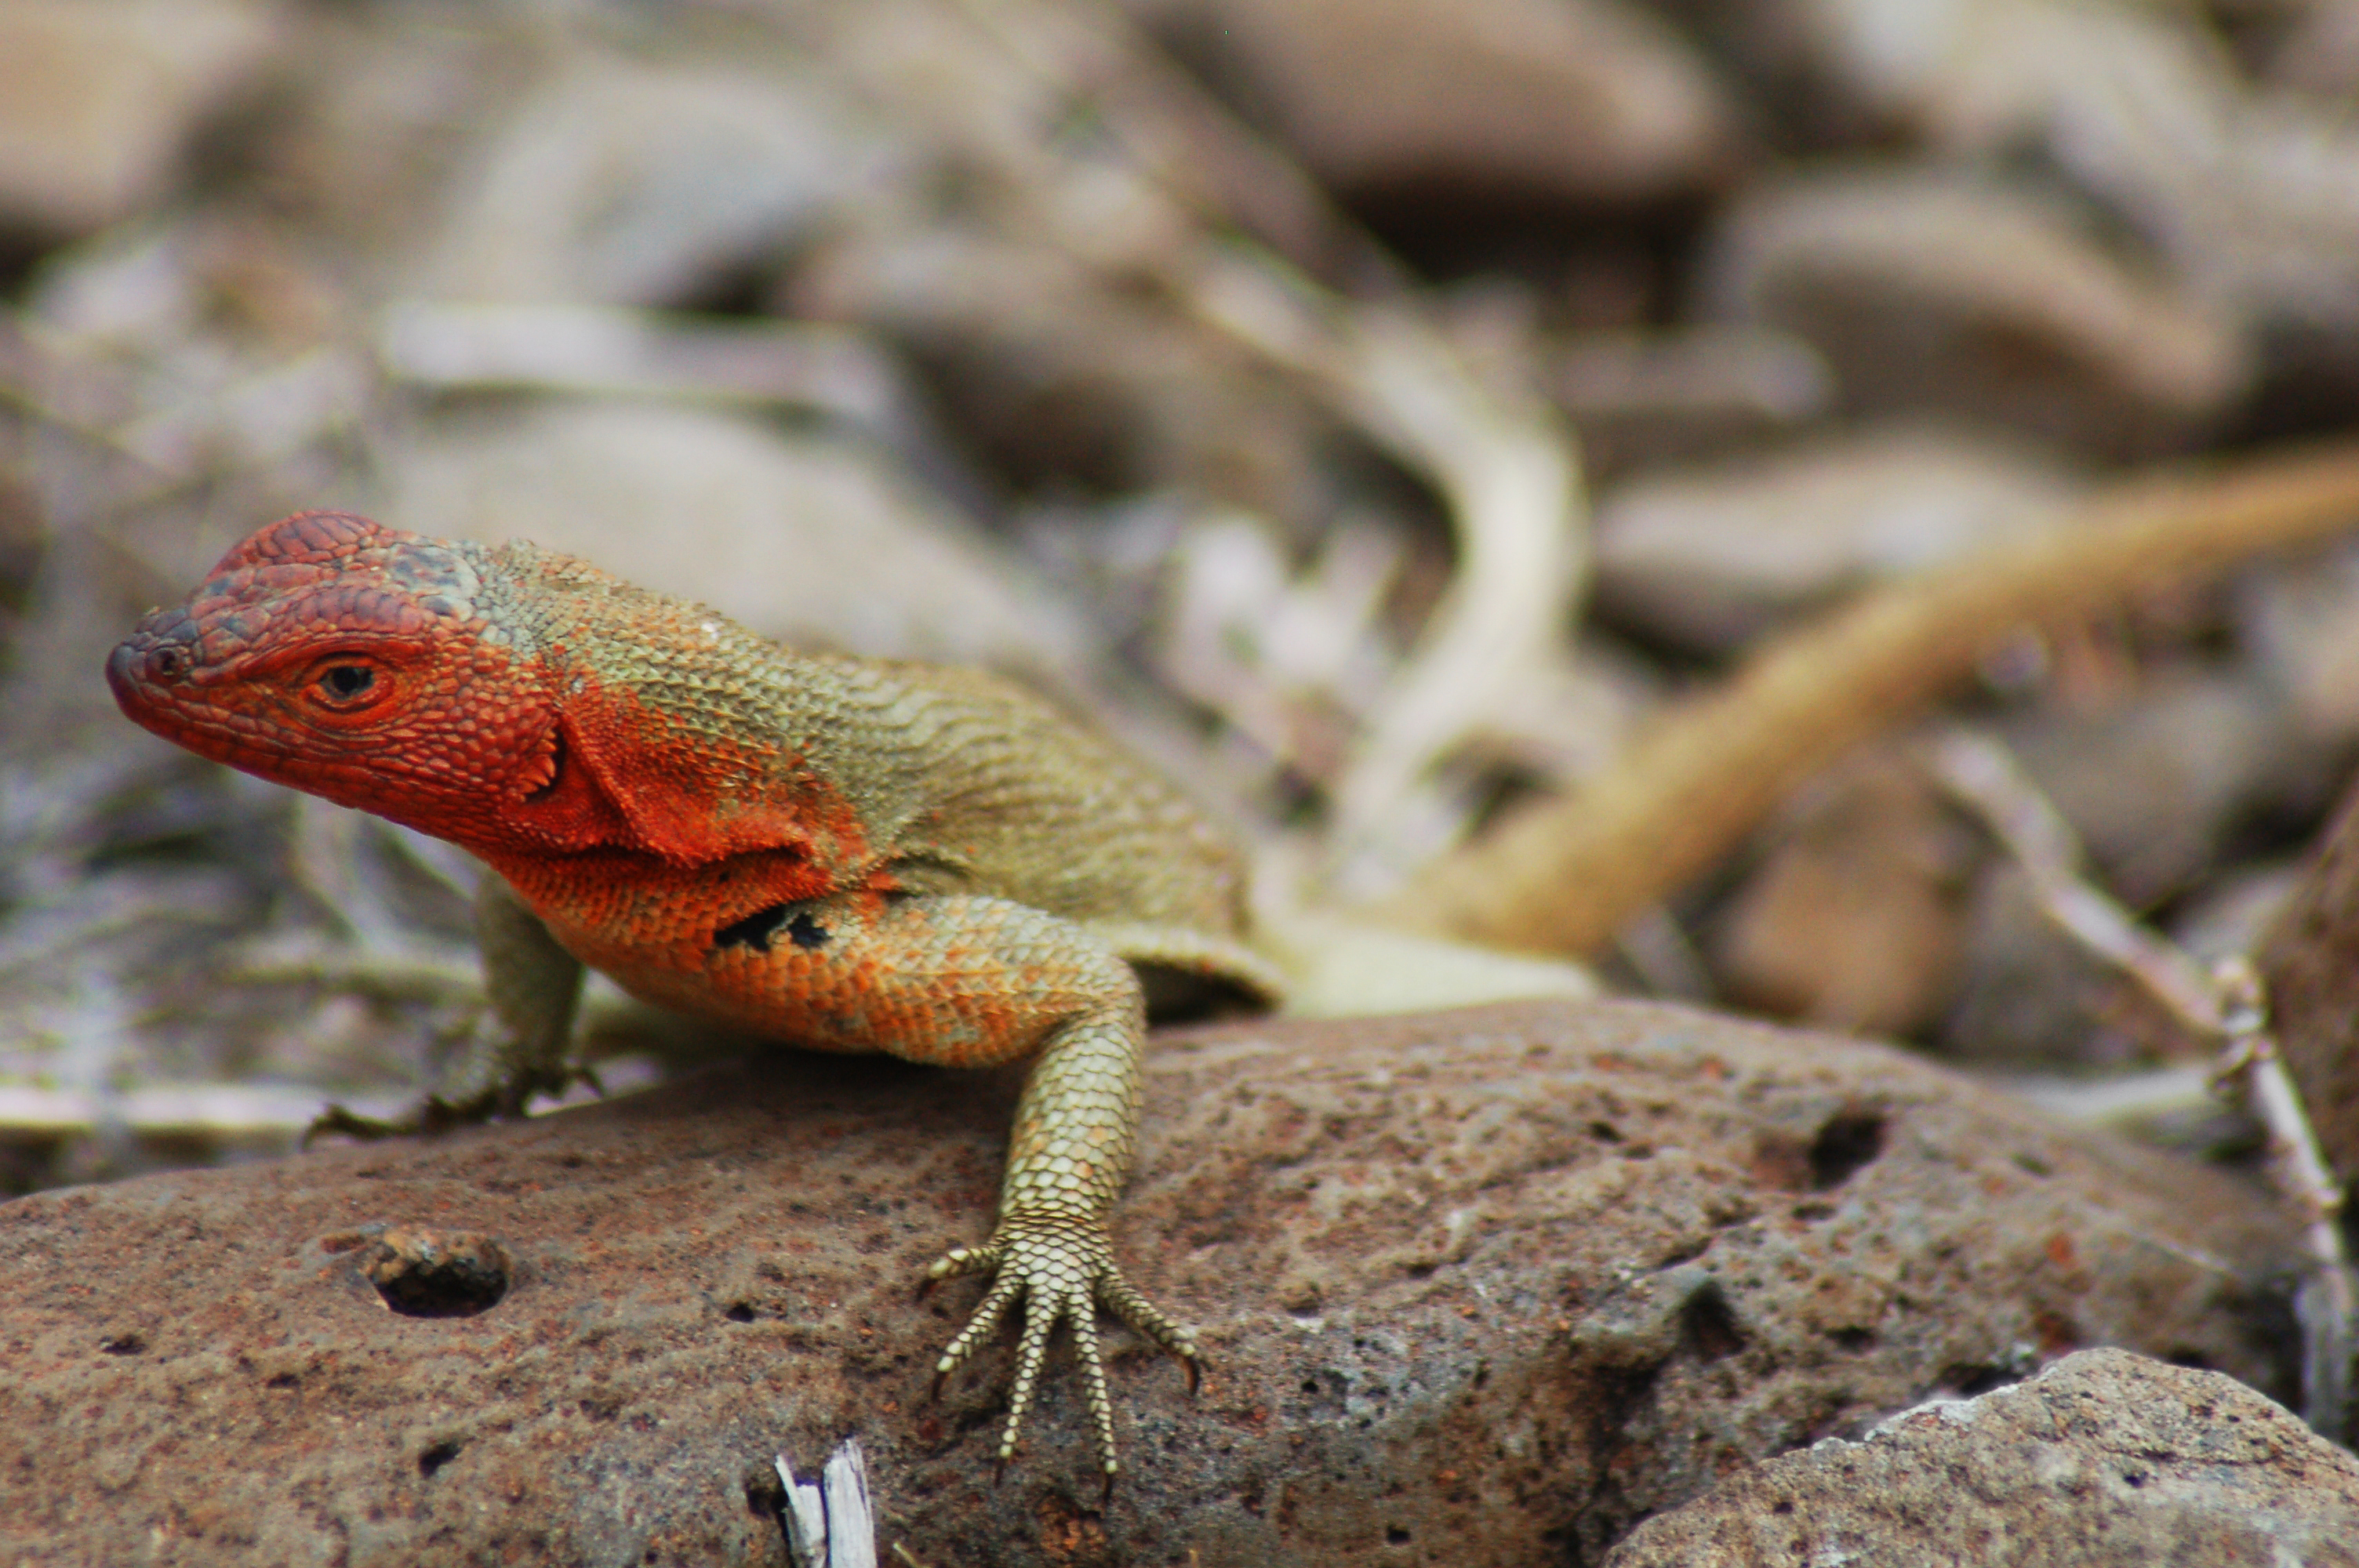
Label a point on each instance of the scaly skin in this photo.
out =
(840, 853)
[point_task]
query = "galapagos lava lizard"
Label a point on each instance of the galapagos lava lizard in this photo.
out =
(843, 853)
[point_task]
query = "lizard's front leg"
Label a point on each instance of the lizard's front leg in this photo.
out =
(972, 982)
(535, 987)
(1074, 1144)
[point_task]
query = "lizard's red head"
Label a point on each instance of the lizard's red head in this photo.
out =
(358, 663)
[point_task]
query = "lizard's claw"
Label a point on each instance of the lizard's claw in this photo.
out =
(1063, 1267)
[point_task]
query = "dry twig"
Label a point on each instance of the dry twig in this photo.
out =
(2225, 1006)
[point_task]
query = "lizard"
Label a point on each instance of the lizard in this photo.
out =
(797, 844)
(848, 854)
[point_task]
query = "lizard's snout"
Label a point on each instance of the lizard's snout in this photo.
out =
(157, 655)
(123, 670)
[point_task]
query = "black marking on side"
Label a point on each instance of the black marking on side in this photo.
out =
(755, 931)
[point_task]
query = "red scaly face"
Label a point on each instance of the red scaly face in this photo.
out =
(354, 662)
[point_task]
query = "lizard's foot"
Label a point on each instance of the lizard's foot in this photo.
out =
(430, 1116)
(1062, 1265)
(434, 1114)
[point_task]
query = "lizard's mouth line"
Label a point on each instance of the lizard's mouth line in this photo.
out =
(166, 709)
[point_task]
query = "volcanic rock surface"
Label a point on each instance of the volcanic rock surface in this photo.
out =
(1485, 1286)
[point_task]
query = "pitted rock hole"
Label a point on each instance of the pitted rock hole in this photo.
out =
(766, 1495)
(1708, 1327)
(437, 1273)
(434, 1459)
(1846, 1145)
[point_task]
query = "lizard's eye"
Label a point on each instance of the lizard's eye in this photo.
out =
(346, 686)
(345, 682)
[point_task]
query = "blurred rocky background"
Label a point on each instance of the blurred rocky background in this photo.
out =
(1159, 354)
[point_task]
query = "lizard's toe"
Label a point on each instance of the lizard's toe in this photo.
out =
(979, 1325)
(509, 1099)
(1040, 1314)
(962, 1261)
(337, 1119)
(1150, 1323)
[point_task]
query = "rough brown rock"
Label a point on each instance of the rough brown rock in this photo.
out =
(803, 535)
(1981, 301)
(2105, 1460)
(97, 100)
(1713, 556)
(1477, 1287)
(1855, 917)
(1581, 99)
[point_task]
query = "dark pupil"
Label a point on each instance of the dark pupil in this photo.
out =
(348, 680)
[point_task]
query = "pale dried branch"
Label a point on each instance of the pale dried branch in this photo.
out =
(1506, 468)
(1511, 482)
(643, 353)
(390, 971)
(2121, 1099)
(405, 971)
(222, 1113)
(831, 1520)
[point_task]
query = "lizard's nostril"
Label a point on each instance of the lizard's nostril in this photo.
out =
(132, 667)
